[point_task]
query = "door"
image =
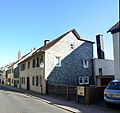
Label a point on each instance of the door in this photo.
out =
(28, 83)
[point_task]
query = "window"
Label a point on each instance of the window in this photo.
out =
(86, 80)
(72, 46)
(37, 62)
(33, 80)
(28, 65)
(22, 80)
(85, 64)
(58, 62)
(36, 80)
(80, 80)
(9, 71)
(33, 63)
(114, 86)
(100, 71)
(41, 59)
(23, 67)
(83, 80)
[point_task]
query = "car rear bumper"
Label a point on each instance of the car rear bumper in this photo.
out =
(113, 101)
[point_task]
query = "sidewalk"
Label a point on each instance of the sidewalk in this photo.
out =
(71, 106)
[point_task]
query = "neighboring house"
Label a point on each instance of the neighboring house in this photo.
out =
(103, 71)
(115, 31)
(1, 74)
(13, 70)
(67, 60)
(10, 75)
(5, 74)
(103, 68)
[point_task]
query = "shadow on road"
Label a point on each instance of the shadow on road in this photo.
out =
(65, 104)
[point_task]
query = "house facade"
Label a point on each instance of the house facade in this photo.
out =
(1, 74)
(67, 60)
(115, 31)
(4, 77)
(103, 71)
(10, 76)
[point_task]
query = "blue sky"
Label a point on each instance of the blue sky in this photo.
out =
(25, 24)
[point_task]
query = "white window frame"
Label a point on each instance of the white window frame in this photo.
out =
(58, 61)
(85, 64)
(81, 77)
(86, 77)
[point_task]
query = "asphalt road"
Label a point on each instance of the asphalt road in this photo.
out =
(16, 102)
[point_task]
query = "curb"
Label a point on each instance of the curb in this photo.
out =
(43, 100)
(48, 102)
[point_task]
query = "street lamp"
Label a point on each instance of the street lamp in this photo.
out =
(41, 65)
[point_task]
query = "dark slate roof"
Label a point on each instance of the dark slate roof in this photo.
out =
(50, 44)
(115, 28)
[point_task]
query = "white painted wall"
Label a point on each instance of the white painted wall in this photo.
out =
(116, 48)
(106, 65)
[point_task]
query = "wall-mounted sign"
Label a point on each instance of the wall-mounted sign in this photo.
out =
(81, 90)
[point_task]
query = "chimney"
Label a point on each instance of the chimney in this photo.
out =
(19, 55)
(46, 42)
(100, 46)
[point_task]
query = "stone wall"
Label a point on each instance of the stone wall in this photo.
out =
(72, 66)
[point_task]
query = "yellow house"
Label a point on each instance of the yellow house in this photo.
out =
(32, 74)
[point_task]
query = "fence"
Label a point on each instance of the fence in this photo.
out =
(62, 91)
(92, 94)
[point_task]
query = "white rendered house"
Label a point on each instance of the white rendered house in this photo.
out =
(115, 31)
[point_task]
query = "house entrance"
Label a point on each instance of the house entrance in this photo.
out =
(28, 83)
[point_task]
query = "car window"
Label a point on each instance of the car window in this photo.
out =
(114, 85)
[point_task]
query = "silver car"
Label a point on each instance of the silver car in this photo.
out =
(112, 92)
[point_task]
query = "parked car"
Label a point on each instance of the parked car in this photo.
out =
(112, 93)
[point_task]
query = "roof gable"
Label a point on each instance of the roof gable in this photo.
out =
(52, 43)
(115, 28)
